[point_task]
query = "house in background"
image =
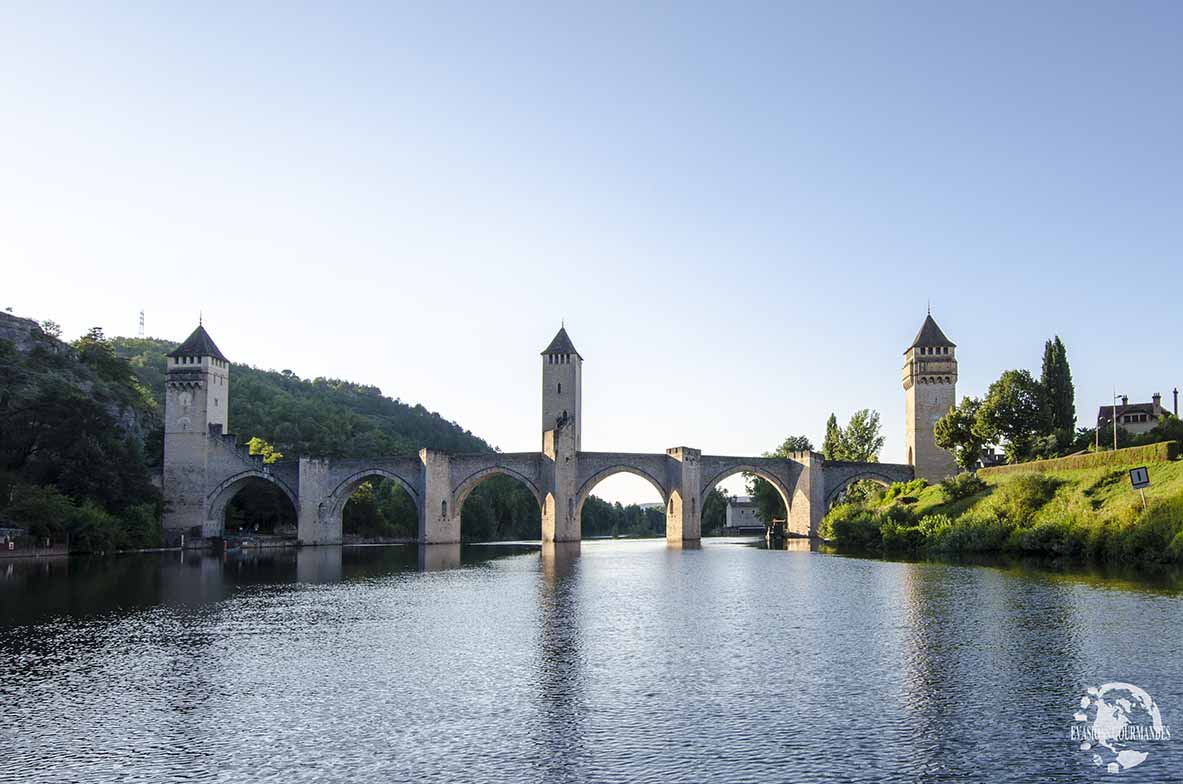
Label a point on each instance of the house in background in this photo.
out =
(1136, 418)
(741, 517)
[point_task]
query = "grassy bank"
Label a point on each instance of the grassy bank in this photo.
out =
(1085, 513)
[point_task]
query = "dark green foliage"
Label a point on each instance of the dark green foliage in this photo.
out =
(714, 512)
(1057, 382)
(963, 486)
(832, 443)
(380, 509)
(87, 527)
(1015, 413)
(973, 533)
(601, 518)
(955, 433)
(853, 526)
(861, 439)
(500, 508)
(71, 425)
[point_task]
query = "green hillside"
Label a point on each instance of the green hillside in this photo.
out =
(320, 417)
(1051, 509)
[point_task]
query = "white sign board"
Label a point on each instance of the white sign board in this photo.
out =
(1139, 478)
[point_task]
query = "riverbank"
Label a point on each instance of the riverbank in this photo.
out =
(1073, 509)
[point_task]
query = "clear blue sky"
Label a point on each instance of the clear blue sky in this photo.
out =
(740, 210)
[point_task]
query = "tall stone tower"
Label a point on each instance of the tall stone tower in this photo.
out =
(562, 379)
(197, 391)
(930, 390)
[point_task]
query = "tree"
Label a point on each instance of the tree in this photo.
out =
(1057, 383)
(714, 511)
(832, 443)
(258, 446)
(861, 439)
(955, 432)
(51, 328)
(769, 505)
(1015, 413)
(790, 445)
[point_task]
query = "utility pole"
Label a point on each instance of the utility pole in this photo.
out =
(1113, 419)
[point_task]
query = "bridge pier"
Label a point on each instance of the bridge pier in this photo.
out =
(560, 468)
(439, 517)
(808, 504)
(683, 511)
(314, 523)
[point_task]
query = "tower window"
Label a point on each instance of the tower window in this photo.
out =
(444, 508)
(560, 389)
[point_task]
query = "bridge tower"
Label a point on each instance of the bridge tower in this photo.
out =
(930, 390)
(562, 381)
(196, 404)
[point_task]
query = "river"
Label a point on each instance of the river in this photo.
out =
(619, 662)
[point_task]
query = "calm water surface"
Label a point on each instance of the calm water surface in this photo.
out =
(628, 661)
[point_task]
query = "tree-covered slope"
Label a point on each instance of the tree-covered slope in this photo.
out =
(319, 417)
(73, 426)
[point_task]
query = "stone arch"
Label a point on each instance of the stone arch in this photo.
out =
(872, 475)
(220, 496)
(748, 468)
(335, 502)
(469, 483)
(584, 491)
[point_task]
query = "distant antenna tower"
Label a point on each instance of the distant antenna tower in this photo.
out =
(141, 322)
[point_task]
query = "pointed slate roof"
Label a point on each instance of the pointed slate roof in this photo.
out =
(561, 344)
(930, 335)
(199, 344)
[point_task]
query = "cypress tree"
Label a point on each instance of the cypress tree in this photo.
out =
(832, 443)
(1057, 381)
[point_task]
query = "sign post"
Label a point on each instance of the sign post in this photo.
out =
(1140, 479)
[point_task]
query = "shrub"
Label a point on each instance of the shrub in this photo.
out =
(976, 532)
(899, 536)
(44, 511)
(859, 533)
(963, 486)
(905, 489)
(92, 529)
(841, 512)
(934, 526)
(854, 526)
(1019, 499)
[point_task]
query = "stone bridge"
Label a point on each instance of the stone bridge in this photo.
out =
(205, 469)
(439, 483)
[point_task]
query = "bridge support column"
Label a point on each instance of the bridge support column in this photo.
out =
(560, 518)
(439, 522)
(808, 504)
(314, 522)
(683, 511)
